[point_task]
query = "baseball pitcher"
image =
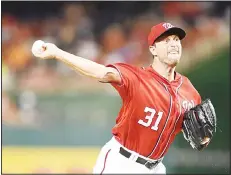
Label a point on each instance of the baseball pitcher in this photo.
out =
(158, 103)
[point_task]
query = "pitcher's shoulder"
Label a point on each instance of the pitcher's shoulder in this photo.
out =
(125, 66)
(189, 85)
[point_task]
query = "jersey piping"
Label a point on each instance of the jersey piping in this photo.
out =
(170, 108)
(175, 122)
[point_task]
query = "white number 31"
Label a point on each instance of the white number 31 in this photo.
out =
(149, 118)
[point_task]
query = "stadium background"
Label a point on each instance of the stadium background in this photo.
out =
(55, 121)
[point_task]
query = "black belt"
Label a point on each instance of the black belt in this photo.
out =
(147, 163)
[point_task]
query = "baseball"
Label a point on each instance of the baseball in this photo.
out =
(38, 47)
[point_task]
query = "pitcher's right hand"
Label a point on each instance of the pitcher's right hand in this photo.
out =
(44, 50)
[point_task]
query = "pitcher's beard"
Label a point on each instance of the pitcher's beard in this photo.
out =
(172, 61)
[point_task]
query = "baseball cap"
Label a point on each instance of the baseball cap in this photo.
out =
(163, 28)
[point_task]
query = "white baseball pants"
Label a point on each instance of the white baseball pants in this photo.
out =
(110, 161)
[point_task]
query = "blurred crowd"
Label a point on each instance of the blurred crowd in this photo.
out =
(104, 32)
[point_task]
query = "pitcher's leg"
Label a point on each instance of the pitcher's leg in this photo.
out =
(101, 160)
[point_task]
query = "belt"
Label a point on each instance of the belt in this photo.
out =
(146, 163)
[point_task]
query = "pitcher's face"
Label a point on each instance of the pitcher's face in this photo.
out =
(168, 49)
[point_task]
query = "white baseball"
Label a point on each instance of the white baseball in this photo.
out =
(37, 47)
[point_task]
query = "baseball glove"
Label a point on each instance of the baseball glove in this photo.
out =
(199, 125)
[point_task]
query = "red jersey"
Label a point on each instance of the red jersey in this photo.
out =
(152, 111)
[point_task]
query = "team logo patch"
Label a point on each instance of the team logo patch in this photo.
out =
(187, 105)
(167, 25)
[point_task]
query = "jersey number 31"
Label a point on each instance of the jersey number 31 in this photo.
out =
(150, 117)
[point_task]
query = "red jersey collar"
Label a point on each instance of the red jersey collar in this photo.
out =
(175, 82)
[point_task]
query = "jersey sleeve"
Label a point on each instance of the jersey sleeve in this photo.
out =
(198, 99)
(129, 79)
(196, 94)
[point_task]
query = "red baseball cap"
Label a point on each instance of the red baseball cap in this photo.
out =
(163, 28)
